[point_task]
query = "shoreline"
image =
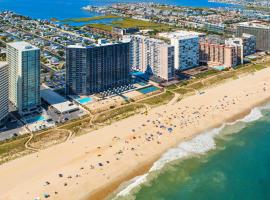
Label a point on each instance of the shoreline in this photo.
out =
(94, 165)
(107, 192)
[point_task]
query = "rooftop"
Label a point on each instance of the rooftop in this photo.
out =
(23, 46)
(255, 24)
(60, 103)
(157, 40)
(80, 46)
(181, 34)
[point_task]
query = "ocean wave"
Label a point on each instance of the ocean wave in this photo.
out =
(254, 115)
(199, 145)
(133, 183)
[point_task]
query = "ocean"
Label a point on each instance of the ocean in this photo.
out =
(63, 9)
(227, 163)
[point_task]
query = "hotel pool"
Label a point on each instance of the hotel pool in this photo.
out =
(149, 89)
(84, 100)
(35, 119)
(220, 68)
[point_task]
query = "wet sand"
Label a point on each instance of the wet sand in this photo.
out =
(93, 165)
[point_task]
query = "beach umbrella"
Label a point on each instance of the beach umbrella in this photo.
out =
(170, 129)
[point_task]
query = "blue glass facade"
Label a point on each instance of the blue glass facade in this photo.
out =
(95, 69)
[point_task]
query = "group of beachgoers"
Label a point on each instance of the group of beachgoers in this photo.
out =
(156, 129)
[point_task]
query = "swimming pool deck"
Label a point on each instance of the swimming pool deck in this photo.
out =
(34, 119)
(148, 89)
(84, 100)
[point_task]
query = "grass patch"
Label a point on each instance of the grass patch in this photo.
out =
(196, 86)
(207, 73)
(245, 69)
(183, 83)
(13, 148)
(119, 113)
(161, 99)
(212, 81)
(129, 22)
(89, 19)
(258, 8)
(101, 26)
(171, 87)
(73, 125)
(183, 91)
(219, 78)
(259, 67)
(48, 138)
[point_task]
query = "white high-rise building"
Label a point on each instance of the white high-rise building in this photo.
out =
(186, 47)
(24, 76)
(245, 45)
(3, 92)
(151, 55)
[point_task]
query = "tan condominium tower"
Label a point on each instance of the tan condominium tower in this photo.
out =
(151, 55)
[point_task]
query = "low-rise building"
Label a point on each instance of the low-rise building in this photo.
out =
(60, 104)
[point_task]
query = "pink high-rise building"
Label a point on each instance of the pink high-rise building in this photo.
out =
(214, 54)
(211, 54)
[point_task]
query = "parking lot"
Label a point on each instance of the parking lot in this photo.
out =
(12, 128)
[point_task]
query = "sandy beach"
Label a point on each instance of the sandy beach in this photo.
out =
(93, 165)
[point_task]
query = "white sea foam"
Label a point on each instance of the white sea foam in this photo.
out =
(200, 144)
(254, 115)
(132, 184)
